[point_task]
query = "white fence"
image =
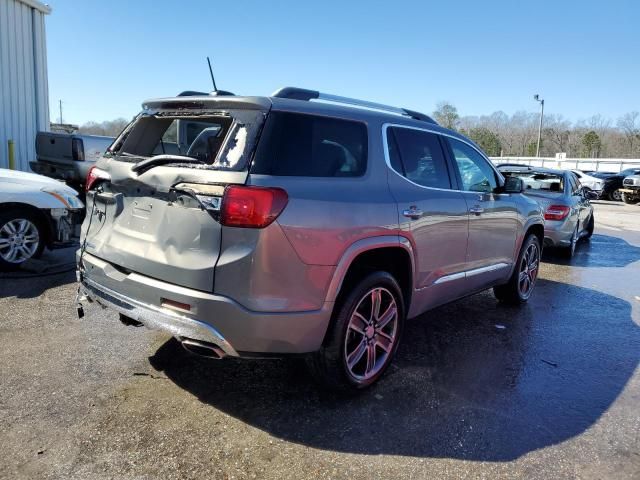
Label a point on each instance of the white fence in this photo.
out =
(596, 164)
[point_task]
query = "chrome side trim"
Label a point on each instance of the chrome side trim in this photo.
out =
(488, 268)
(156, 318)
(450, 278)
(470, 273)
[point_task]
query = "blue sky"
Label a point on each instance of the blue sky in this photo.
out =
(583, 57)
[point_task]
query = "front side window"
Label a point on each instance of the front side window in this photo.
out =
(418, 156)
(475, 172)
(294, 144)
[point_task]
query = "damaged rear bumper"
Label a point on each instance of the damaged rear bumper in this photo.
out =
(210, 318)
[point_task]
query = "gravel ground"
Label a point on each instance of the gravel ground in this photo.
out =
(478, 390)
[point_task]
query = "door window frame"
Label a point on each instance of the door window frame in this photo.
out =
(453, 170)
(387, 157)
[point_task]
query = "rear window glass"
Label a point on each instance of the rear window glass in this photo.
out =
(294, 144)
(222, 141)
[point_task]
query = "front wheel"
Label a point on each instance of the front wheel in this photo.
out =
(523, 280)
(615, 195)
(21, 238)
(630, 199)
(364, 336)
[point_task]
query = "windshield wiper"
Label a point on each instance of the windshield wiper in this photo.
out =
(149, 163)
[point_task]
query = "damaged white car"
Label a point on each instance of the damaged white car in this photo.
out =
(35, 212)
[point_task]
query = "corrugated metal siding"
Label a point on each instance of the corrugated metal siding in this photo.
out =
(24, 96)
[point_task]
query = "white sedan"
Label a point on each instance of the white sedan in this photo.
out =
(35, 212)
(592, 183)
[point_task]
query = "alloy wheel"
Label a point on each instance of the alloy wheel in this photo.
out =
(19, 240)
(372, 334)
(528, 273)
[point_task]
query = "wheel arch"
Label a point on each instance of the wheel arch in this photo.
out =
(392, 254)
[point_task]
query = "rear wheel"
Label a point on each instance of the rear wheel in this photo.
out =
(366, 330)
(521, 284)
(570, 251)
(590, 227)
(630, 199)
(21, 238)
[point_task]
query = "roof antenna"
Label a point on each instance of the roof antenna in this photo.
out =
(213, 80)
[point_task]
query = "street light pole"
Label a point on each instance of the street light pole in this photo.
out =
(537, 98)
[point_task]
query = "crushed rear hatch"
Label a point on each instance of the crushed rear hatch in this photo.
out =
(156, 213)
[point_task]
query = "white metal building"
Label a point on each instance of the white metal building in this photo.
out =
(24, 94)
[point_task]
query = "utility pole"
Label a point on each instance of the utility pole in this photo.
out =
(60, 106)
(537, 98)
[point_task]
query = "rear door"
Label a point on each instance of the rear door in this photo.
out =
(431, 212)
(493, 220)
(161, 221)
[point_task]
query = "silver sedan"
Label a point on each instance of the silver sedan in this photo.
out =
(567, 211)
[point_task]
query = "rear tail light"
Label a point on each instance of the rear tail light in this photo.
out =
(556, 212)
(251, 207)
(95, 174)
(77, 149)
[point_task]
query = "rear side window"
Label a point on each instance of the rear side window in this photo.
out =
(419, 155)
(476, 173)
(294, 144)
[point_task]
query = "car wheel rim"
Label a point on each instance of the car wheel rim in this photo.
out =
(371, 334)
(529, 265)
(19, 240)
(617, 195)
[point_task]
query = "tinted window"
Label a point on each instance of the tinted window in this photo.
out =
(476, 173)
(420, 156)
(295, 144)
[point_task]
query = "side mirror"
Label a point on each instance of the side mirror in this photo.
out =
(513, 185)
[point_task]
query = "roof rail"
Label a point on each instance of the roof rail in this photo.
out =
(304, 94)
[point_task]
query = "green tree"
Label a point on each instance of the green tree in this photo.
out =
(446, 115)
(486, 139)
(591, 144)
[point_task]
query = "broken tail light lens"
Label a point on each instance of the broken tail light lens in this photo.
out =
(95, 174)
(556, 212)
(251, 207)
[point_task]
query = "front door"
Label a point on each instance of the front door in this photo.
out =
(432, 214)
(493, 217)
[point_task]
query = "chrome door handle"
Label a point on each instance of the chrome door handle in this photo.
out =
(412, 212)
(478, 210)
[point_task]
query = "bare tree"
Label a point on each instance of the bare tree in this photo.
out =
(630, 126)
(446, 114)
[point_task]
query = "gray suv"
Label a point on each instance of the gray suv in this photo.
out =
(301, 223)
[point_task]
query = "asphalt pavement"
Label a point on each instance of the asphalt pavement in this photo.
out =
(478, 390)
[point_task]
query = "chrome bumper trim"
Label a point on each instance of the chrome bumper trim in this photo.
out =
(156, 318)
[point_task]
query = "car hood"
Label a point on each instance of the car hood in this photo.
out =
(37, 182)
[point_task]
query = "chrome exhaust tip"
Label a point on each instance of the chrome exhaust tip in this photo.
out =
(202, 349)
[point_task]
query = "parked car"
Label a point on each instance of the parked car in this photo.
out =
(568, 213)
(68, 157)
(593, 184)
(631, 189)
(613, 182)
(296, 226)
(35, 212)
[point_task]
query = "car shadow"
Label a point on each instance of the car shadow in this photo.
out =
(598, 251)
(33, 285)
(472, 380)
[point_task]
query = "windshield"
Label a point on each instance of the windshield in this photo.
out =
(217, 140)
(539, 181)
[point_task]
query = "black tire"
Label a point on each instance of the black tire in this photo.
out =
(590, 227)
(629, 199)
(615, 195)
(329, 364)
(511, 293)
(570, 251)
(14, 214)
